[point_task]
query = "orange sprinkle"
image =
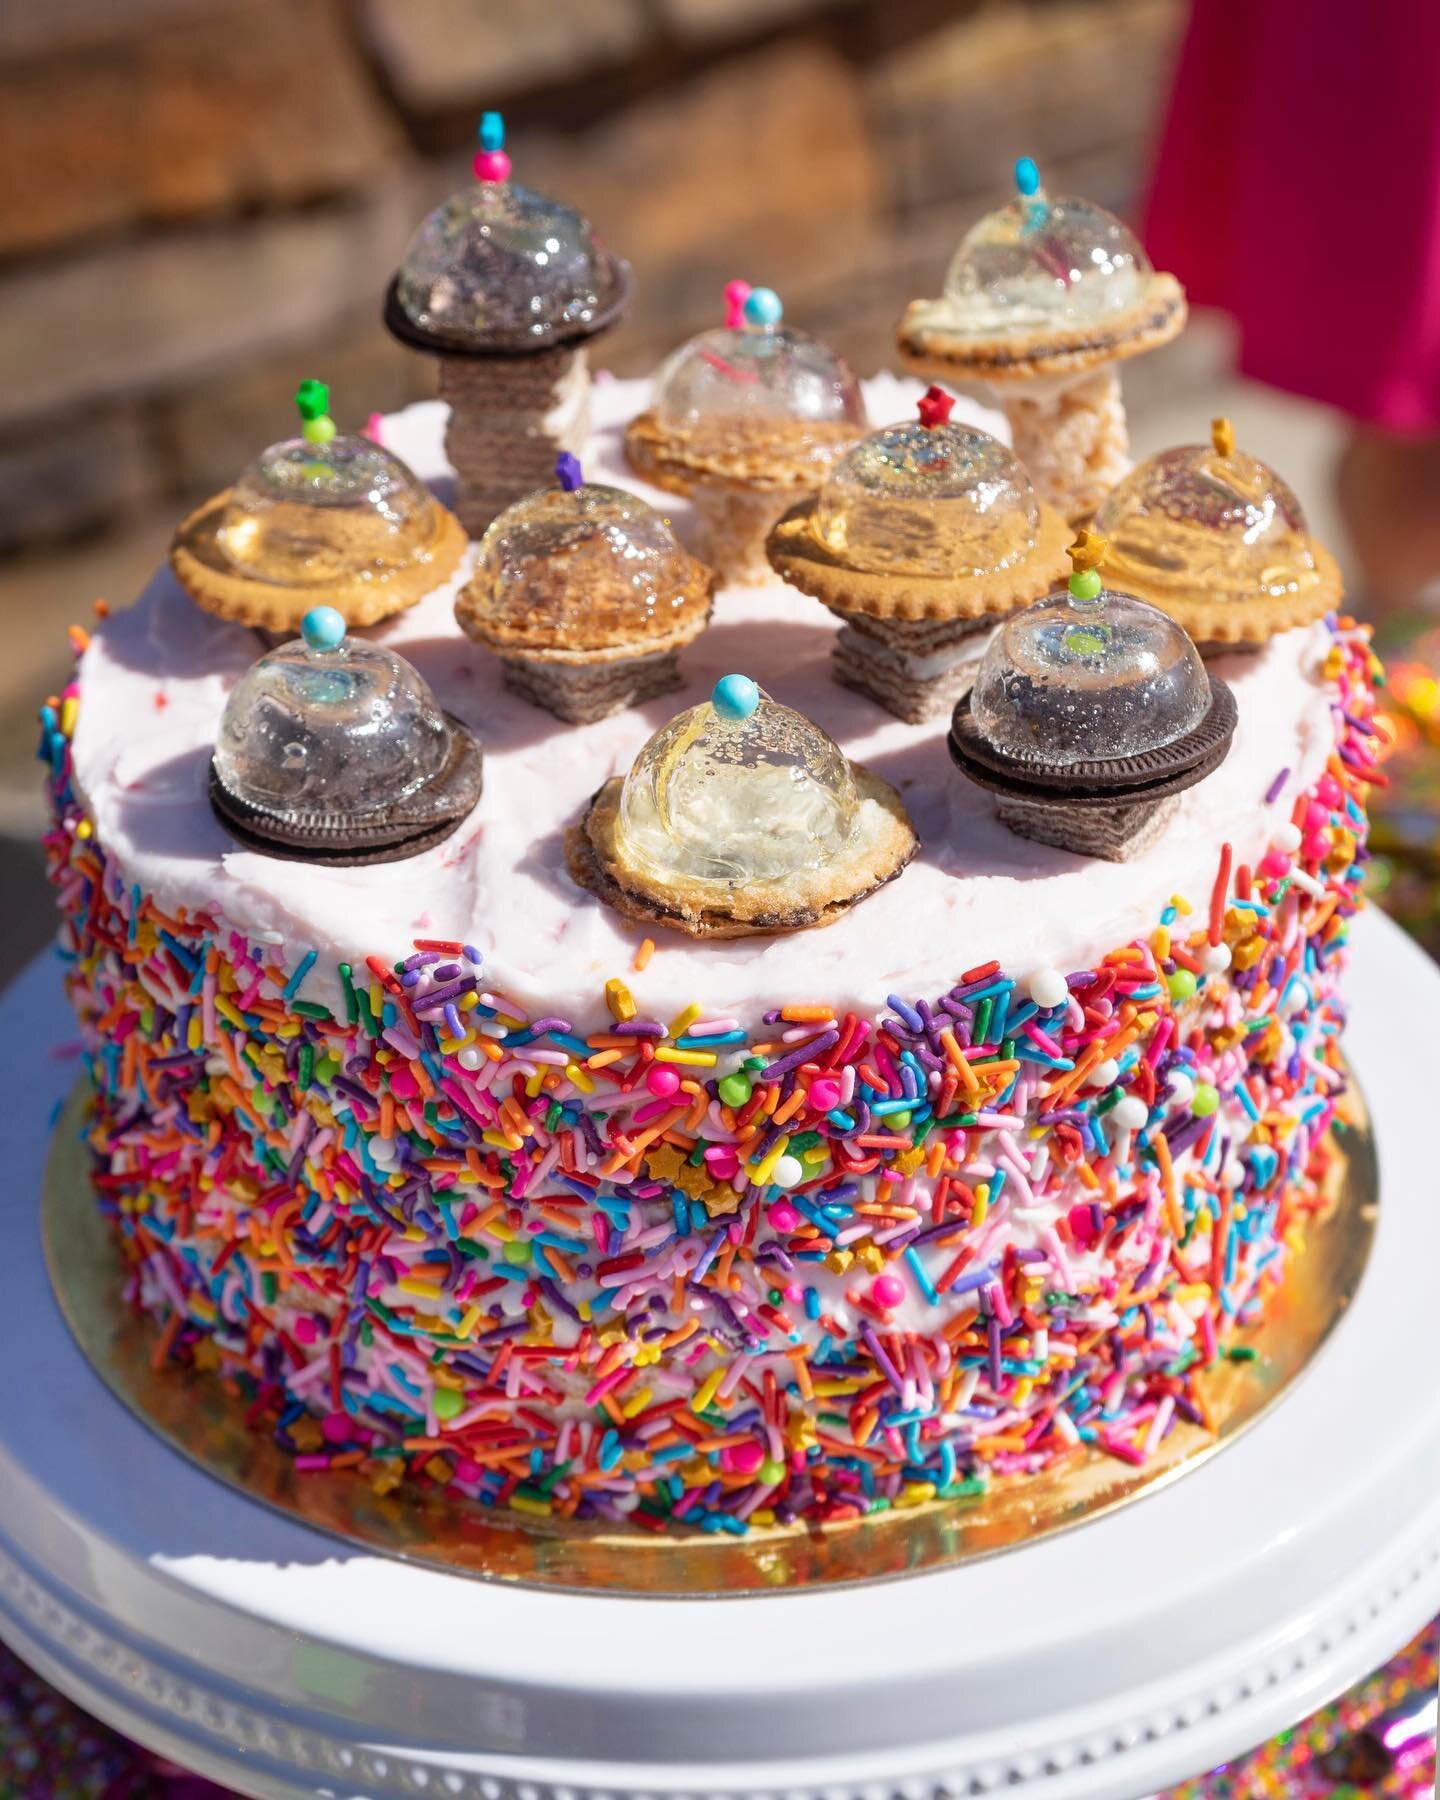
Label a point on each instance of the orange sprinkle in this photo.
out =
(643, 955)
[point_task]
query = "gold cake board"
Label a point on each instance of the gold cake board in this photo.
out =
(199, 1417)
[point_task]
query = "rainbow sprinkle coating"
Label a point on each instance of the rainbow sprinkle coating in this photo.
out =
(708, 1272)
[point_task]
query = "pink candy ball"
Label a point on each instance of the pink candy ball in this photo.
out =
(663, 1081)
(824, 1094)
(491, 165)
(783, 1217)
(742, 1459)
(888, 1290)
(305, 1330)
(337, 1427)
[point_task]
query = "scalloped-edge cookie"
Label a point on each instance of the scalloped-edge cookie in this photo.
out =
(883, 844)
(206, 574)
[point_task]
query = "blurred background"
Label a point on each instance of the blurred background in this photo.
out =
(207, 197)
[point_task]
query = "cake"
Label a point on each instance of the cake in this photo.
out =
(460, 1176)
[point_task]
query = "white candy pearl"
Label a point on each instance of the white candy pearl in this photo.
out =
(1046, 987)
(1182, 1088)
(788, 1172)
(1232, 1173)
(383, 1152)
(471, 1056)
(1104, 1074)
(1130, 1113)
(1215, 959)
(1287, 836)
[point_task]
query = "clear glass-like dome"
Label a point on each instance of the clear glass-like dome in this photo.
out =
(330, 733)
(1039, 262)
(1210, 522)
(758, 385)
(582, 568)
(1072, 680)
(928, 500)
(497, 258)
(724, 795)
(317, 514)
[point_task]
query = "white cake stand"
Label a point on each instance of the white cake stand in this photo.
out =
(1096, 1664)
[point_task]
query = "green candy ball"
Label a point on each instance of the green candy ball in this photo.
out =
(1085, 584)
(447, 1403)
(1181, 984)
(318, 431)
(735, 1089)
(516, 1251)
(1205, 1101)
(772, 1472)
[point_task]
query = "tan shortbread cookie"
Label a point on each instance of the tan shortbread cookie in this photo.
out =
(603, 631)
(884, 843)
(761, 456)
(212, 581)
(798, 554)
(928, 348)
(1233, 624)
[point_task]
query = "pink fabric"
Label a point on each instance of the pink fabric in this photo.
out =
(1298, 187)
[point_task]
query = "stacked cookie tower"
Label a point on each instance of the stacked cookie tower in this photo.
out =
(505, 288)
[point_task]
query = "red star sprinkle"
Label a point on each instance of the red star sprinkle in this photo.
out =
(934, 407)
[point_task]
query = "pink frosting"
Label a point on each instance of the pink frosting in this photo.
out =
(156, 677)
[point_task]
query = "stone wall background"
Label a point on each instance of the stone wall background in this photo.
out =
(206, 197)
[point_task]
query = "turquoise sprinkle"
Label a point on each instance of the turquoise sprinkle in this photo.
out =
(292, 986)
(917, 1268)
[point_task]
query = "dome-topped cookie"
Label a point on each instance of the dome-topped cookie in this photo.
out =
(499, 265)
(738, 789)
(588, 595)
(1042, 301)
(325, 511)
(929, 499)
(922, 535)
(1090, 708)
(1218, 539)
(335, 747)
(313, 511)
(1043, 285)
(1035, 263)
(582, 567)
(1089, 677)
(753, 382)
(740, 816)
(746, 418)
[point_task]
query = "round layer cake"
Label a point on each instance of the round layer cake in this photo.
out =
(466, 1181)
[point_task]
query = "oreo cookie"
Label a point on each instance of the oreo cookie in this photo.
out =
(1107, 808)
(387, 834)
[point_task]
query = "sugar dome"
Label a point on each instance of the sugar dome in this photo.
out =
(1211, 522)
(498, 260)
(1088, 675)
(737, 789)
(321, 511)
(754, 374)
(329, 732)
(309, 515)
(928, 500)
(583, 567)
(1038, 262)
